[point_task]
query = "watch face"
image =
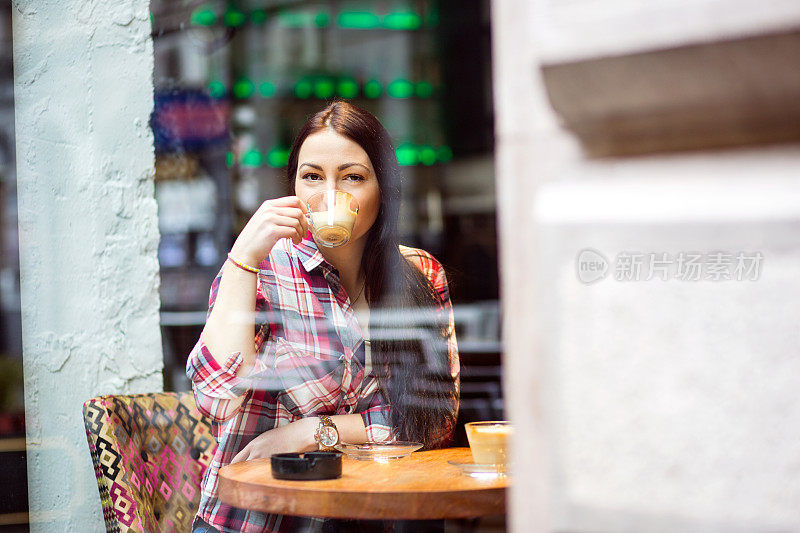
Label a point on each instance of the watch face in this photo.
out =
(328, 436)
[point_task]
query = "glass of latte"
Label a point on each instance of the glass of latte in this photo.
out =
(489, 442)
(332, 215)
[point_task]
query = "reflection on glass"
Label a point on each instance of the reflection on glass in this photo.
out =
(235, 81)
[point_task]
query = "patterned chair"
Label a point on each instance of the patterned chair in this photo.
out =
(150, 452)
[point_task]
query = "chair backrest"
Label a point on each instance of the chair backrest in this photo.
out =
(150, 452)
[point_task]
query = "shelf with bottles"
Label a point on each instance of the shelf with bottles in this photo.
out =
(185, 193)
(189, 190)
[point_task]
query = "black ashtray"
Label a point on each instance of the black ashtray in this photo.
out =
(307, 466)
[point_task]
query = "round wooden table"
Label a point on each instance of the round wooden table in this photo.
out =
(420, 486)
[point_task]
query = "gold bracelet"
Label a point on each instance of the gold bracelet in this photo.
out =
(247, 268)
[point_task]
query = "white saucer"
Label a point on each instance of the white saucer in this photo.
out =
(378, 451)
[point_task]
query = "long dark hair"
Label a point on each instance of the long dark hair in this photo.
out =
(412, 369)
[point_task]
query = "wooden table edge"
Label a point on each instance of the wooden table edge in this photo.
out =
(299, 498)
(483, 502)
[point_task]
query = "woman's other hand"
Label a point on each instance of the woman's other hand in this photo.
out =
(273, 220)
(295, 437)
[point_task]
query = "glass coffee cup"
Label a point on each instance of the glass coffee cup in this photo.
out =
(332, 215)
(489, 441)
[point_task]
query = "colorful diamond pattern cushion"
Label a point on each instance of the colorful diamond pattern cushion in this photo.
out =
(150, 452)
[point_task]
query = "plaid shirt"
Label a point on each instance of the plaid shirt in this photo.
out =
(310, 361)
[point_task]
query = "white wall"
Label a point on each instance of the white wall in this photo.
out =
(672, 404)
(650, 405)
(88, 234)
(579, 29)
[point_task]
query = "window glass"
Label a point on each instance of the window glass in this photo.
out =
(234, 83)
(234, 80)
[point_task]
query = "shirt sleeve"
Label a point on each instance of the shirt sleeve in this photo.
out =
(217, 389)
(219, 393)
(378, 415)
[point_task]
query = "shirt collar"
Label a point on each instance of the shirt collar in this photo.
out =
(310, 256)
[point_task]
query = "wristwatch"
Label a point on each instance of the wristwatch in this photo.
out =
(327, 436)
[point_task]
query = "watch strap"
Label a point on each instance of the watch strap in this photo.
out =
(325, 420)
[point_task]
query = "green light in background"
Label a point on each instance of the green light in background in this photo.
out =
(406, 154)
(258, 17)
(203, 17)
(400, 89)
(322, 20)
(233, 17)
(373, 89)
(359, 20)
(424, 89)
(303, 88)
(243, 88)
(324, 88)
(278, 157)
(252, 158)
(151, 19)
(402, 21)
(216, 89)
(267, 89)
(427, 155)
(444, 153)
(293, 19)
(348, 88)
(229, 159)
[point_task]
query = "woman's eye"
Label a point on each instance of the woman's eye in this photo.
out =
(355, 177)
(311, 177)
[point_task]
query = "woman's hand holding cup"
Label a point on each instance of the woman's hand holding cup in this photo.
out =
(281, 218)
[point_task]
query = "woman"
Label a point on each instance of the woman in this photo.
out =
(314, 308)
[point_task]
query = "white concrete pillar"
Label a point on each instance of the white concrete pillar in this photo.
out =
(88, 234)
(648, 405)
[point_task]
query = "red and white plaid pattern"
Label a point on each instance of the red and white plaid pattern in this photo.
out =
(310, 362)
